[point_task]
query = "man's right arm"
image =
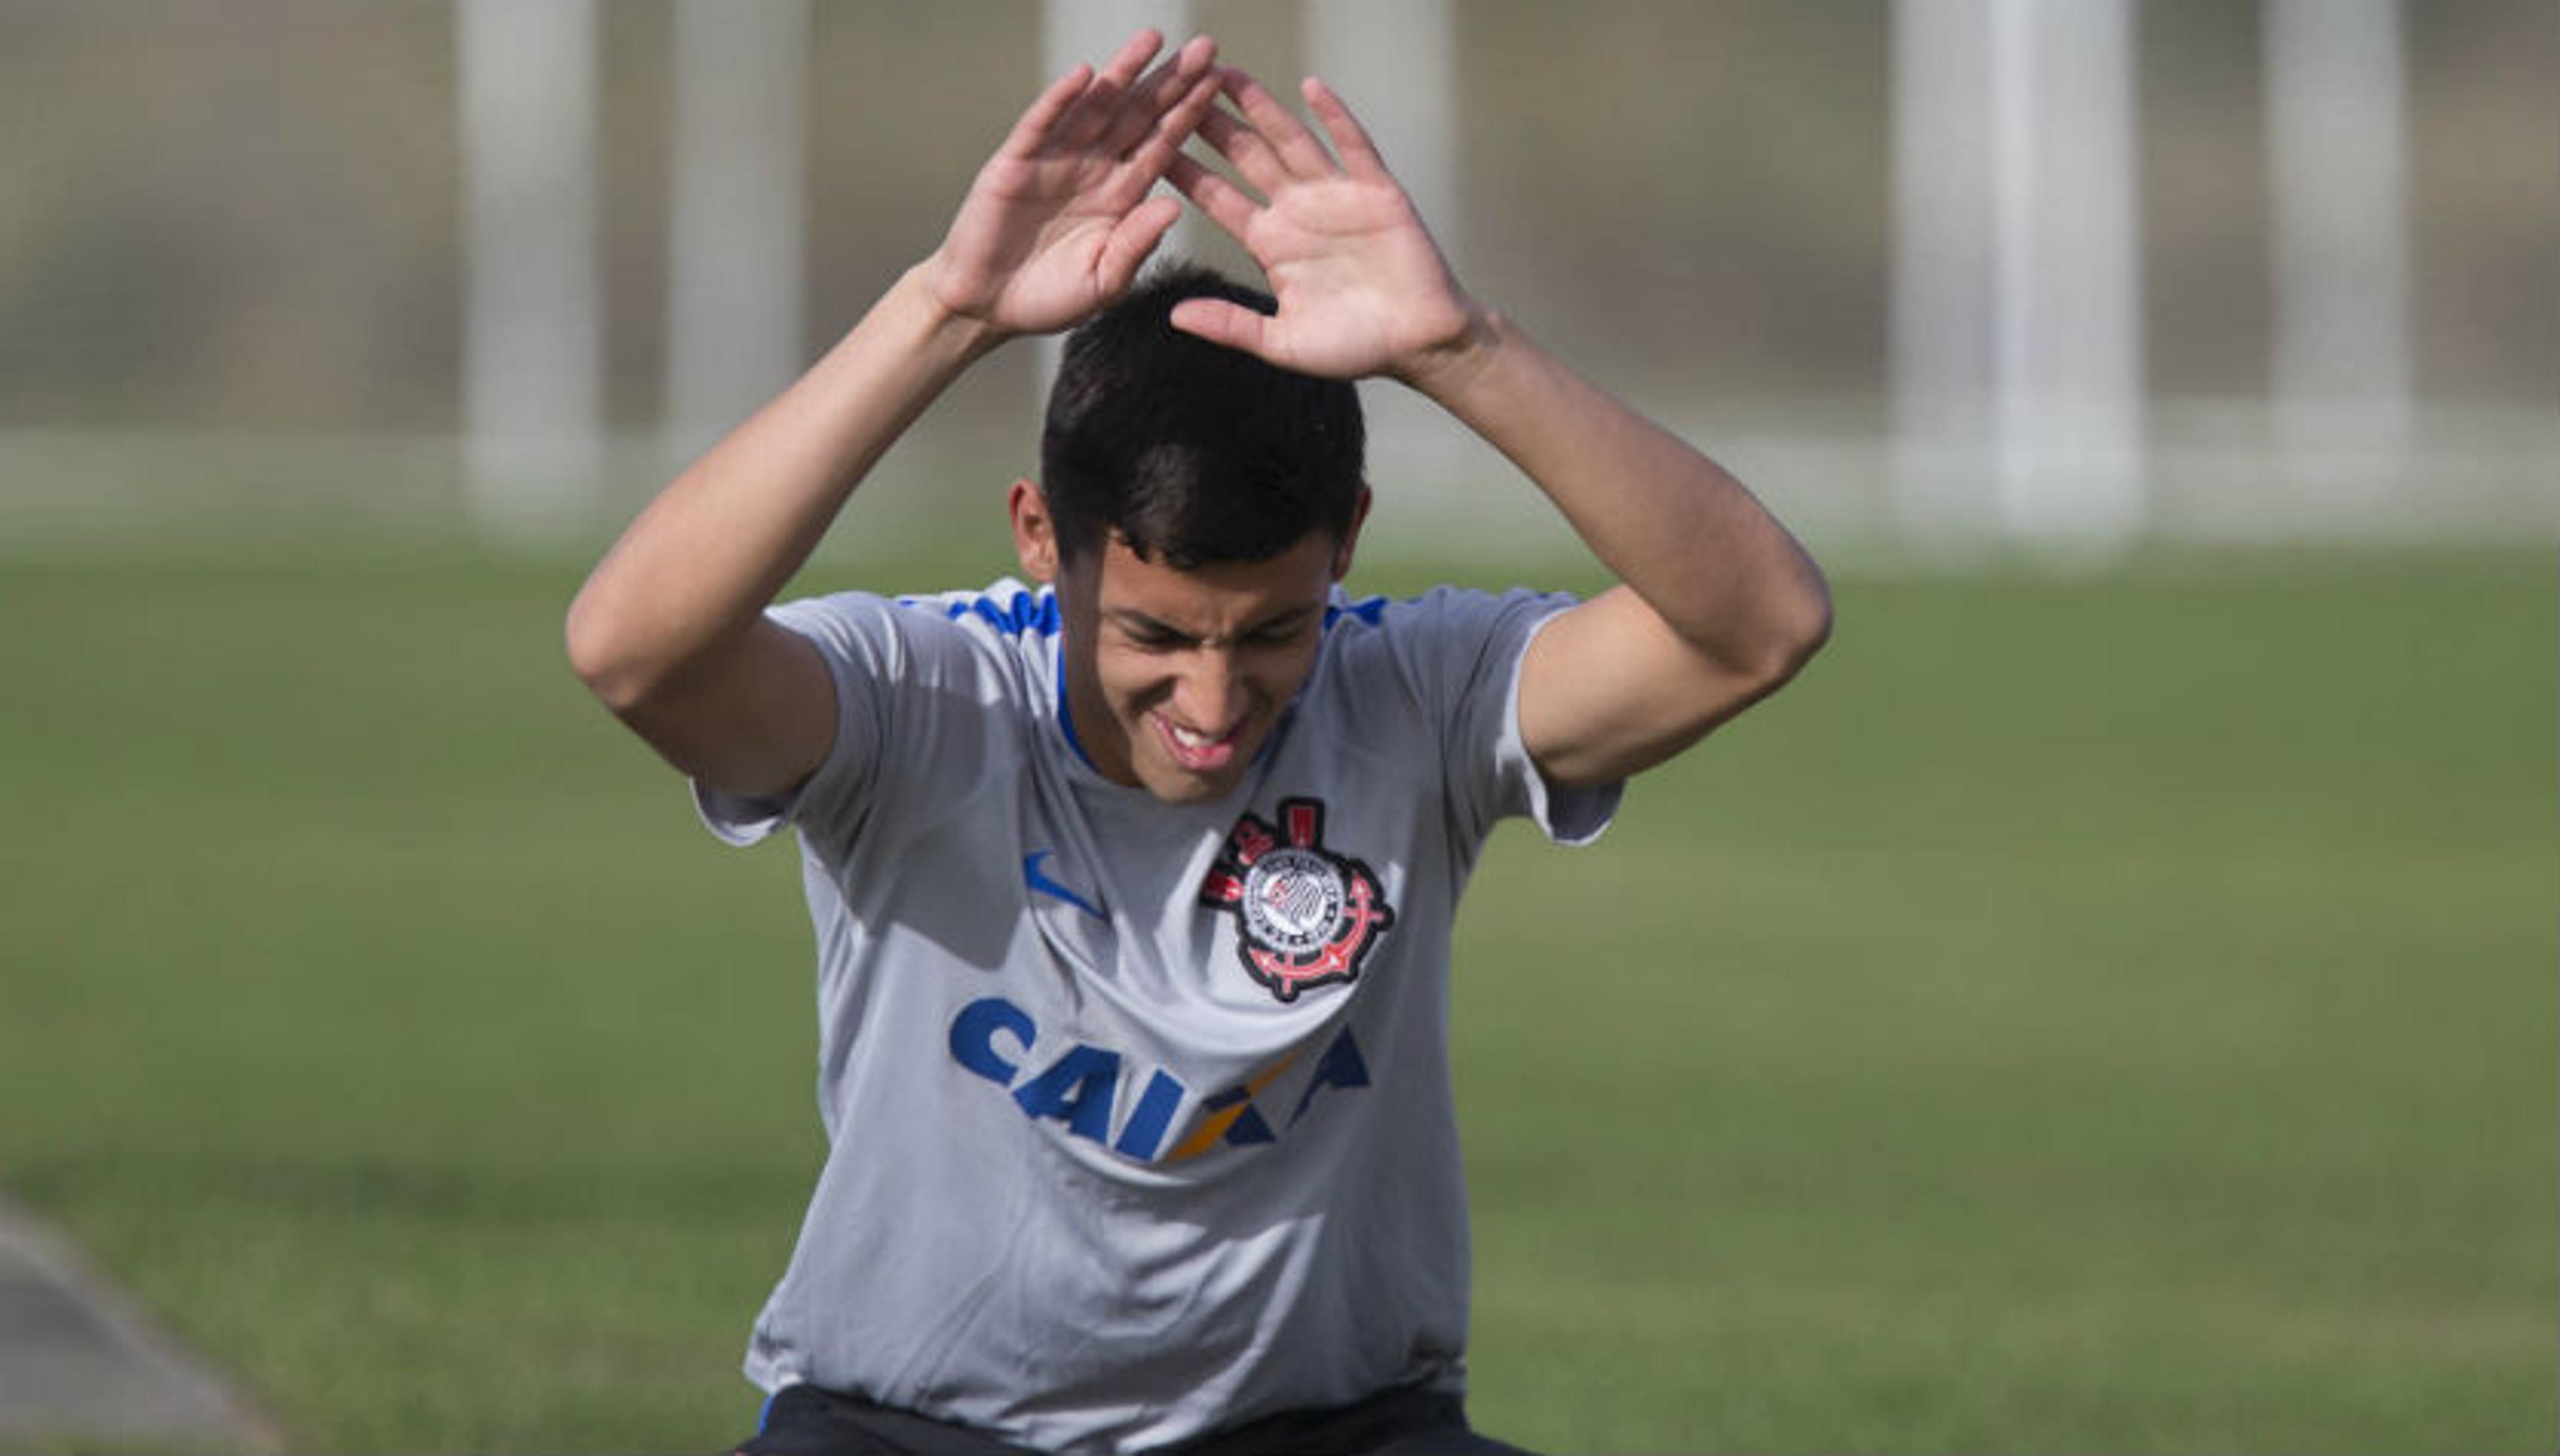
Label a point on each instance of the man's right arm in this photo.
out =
(670, 629)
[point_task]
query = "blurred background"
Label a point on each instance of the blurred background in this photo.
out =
(2288, 267)
(2106, 1003)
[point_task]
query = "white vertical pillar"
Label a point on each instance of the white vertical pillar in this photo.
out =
(2338, 234)
(532, 318)
(2067, 348)
(1395, 65)
(1090, 32)
(2016, 312)
(1943, 304)
(736, 205)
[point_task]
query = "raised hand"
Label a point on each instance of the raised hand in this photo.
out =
(1361, 287)
(1059, 220)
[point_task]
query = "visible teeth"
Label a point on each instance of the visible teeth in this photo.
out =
(1190, 739)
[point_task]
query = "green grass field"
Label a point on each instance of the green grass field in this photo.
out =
(2112, 1013)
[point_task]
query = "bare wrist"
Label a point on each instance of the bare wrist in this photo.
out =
(973, 334)
(1446, 369)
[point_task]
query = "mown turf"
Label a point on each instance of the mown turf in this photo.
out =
(2099, 1013)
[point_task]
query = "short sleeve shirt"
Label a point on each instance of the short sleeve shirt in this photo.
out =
(1137, 1114)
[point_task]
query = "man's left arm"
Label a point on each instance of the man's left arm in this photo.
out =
(1717, 605)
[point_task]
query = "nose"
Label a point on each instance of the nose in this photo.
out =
(1211, 696)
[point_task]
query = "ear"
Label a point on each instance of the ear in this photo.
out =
(1351, 536)
(1035, 532)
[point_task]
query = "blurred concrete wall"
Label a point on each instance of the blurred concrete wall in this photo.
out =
(241, 217)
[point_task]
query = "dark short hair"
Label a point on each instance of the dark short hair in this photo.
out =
(1187, 450)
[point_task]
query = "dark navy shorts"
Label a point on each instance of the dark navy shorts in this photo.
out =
(803, 1421)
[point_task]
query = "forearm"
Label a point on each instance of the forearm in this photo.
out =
(710, 553)
(1687, 536)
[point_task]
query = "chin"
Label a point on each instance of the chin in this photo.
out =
(1187, 788)
(1171, 783)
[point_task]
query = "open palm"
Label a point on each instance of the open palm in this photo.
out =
(1361, 287)
(1059, 220)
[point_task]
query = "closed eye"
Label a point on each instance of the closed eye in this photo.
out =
(1149, 635)
(1158, 639)
(1278, 635)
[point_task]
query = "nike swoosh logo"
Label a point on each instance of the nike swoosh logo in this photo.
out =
(1032, 877)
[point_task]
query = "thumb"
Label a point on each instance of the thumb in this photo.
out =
(1222, 322)
(1132, 239)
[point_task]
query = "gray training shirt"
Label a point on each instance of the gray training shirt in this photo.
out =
(1139, 1115)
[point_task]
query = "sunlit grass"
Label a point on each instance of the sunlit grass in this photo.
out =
(2083, 1012)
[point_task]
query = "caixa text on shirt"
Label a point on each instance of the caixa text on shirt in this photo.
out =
(1079, 1087)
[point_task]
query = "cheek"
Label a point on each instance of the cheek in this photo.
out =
(1279, 674)
(1131, 684)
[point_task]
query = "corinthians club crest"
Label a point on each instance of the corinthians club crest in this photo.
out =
(1305, 915)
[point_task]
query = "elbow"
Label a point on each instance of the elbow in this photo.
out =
(1794, 631)
(602, 652)
(1809, 630)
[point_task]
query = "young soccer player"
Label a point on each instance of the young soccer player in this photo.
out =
(1133, 885)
